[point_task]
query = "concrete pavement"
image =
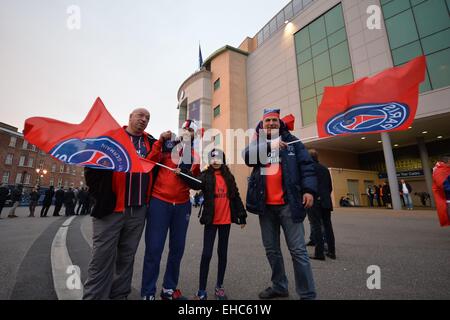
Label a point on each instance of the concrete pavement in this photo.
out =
(410, 248)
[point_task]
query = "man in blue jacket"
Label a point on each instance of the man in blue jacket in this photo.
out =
(281, 186)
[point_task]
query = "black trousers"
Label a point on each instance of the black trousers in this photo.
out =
(318, 218)
(2, 205)
(58, 207)
(329, 233)
(44, 210)
(209, 237)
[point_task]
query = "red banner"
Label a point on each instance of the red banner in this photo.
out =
(98, 142)
(385, 102)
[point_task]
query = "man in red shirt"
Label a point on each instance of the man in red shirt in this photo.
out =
(170, 209)
(121, 201)
(281, 187)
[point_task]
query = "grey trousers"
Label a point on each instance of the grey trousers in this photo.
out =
(115, 241)
(274, 219)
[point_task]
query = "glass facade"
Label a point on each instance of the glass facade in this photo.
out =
(420, 27)
(323, 59)
(278, 22)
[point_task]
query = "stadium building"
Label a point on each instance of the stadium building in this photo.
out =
(310, 44)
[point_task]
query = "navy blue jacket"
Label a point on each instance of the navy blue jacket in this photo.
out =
(298, 174)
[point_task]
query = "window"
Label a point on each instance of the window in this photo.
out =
(217, 84)
(12, 142)
(66, 184)
(25, 144)
(9, 159)
(33, 148)
(67, 169)
(41, 164)
(52, 181)
(30, 162)
(61, 169)
(323, 59)
(420, 27)
(5, 178)
(53, 167)
(59, 182)
(19, 178)
(27, 178)
(217, 140)
(217, 111)
(22, 161)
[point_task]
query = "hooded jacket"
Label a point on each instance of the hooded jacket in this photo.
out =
(298, 173)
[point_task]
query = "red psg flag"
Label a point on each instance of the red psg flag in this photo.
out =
(385, 102)
(98, 142)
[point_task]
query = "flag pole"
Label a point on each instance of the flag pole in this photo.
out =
(173, 170)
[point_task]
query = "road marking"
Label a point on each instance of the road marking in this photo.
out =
(61, 262)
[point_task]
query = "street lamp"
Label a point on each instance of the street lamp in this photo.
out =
(40, 173)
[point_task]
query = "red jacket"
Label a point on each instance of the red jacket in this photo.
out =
(441, 184)
(168, 186)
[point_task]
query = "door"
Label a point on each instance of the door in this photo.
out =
(353, 191)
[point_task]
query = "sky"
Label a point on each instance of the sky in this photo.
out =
(129, 53)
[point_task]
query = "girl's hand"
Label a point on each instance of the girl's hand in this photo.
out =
(177, 171)
(243, 226)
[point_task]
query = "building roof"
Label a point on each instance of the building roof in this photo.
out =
(222, 50)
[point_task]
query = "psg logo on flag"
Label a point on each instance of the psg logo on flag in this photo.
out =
(369, 118)
(96, 153)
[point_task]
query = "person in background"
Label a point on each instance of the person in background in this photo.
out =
(59, 200)
(320, 213)
(405, 191)
(69, 202)
(16, 197)
(34, 198)
(4, 192)
(369, 192)
(47, 202)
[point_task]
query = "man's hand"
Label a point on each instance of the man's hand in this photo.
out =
(243, 226)
(308, 200)
(177, 171)
(165, 136)
(278, 144)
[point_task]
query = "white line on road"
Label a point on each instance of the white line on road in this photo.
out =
(61, 263)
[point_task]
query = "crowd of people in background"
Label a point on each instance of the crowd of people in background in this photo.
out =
(76, 201)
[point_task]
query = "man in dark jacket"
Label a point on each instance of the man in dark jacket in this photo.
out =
(320, 213)
(4, 192)
(59, 200)
(119, 211)
(281, 186)
(47, 202)
(69, 202)
(16, 197)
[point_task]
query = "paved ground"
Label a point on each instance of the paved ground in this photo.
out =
(409, 247)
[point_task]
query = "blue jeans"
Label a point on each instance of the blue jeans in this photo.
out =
(408, 200)
(294, 233)
(161, 217)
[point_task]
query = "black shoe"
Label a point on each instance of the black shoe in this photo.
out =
(310, 244)
(269, 293)
(321, 258)
(331, 256)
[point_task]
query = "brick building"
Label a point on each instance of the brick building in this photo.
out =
(19, 162)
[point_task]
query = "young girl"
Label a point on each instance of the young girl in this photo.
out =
(222, 206)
